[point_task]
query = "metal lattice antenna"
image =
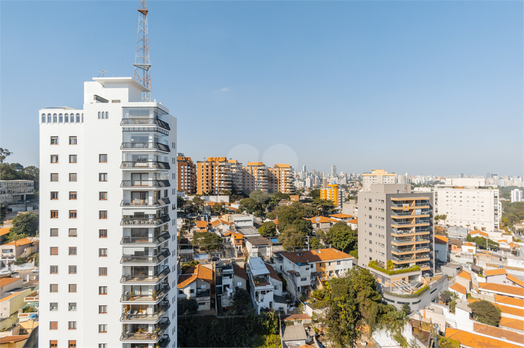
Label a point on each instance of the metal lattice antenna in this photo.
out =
(142, 64)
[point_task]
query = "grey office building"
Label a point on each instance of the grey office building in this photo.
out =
(396, 225)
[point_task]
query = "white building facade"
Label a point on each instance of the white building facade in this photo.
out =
(469, 203)
(516, 195)
(108, 220)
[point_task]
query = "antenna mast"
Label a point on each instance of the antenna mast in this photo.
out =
(142, 64)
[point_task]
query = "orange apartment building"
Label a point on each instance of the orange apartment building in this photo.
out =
(213, 176)
(255, 177)
(281, 179)
(186, 180)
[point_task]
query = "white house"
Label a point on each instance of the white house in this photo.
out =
(266, 286)
(258, 246)
(195, 284)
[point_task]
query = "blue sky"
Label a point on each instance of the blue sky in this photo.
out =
(418, 87)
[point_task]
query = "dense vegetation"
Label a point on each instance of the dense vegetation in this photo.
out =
(485, 312)
(24, 225)
(482, 242)
(16, 171)
(354, 307)
(207, 241)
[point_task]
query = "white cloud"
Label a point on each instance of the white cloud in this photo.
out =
(225, 89)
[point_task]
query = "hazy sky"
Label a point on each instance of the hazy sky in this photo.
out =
(418, 87)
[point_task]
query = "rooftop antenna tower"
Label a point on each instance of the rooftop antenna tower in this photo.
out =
(142, 64)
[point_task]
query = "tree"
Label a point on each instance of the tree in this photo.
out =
(188, 265)
(292, 238)
(406, 309)
(268, 229)
(342, 237)
(207, 241)
(25, 225)
(198, 202)
(446, 296)
(217, 208)
(325, 206)
(314, 194)
(251, 206)
(485, 312)
(315, 243)
(180, 202)
(354, 253)
(452, 305)
(187, 306)
(271, 216)
(241, 301)
(482, 242)
(4, 153)
(261, 197)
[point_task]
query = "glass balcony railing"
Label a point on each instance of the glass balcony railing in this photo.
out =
(153, 297)
(145, 239)
(145, 202)
(155, 335)
(145, 146)
(144, 121)
(145, 183)
(144, 220)
(145, 165)
(410, 258)
(148, 259)
(145, 278)
(140, 316)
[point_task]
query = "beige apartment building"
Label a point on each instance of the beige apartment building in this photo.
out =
(377, 176)
(237, 175)
(186, 170)
(213, 176)
(255, 177)
(396, 225)
(281, 179)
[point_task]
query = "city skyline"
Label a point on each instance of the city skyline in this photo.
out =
(364, 81)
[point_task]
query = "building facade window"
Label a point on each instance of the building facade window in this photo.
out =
(72, 214)
(102, 252)
(102, 290)
(72, 232)
(53, 344)
(54, 158)
(53, 287)
(53, 325)
(72, 158)
(102, 214)
(72, 251)
(53, 251)
(72, 195)
(102, 309)
(72, 343)
(102, 196)
(102, 271)
(102, 328)
(71, 307)
(72, 287)
(72, 177)
(72, 140)
(102, 233)
(54, 214)
(54, 177)
(54, 195)
(53, 270)
(54, 140)
(71, 325)
(102, 158)
(102, 177)
(53, 306)
(72, 269)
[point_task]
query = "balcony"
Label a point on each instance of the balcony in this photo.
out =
(154, 298)
(144, 220)
(145, 165)
(409, 214)
(148, 337)
(409, 205)
(145, 279)
(145, 202)
(145, 146)
(416, 249)
(142, 121)
(148, 259)
(145, 240)
(144, 317)
(410, 240)
(144, 183)
(395, 231)
(205, 293)
(409, 258)
(411, 222)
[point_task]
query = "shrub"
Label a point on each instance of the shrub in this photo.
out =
(485, 312)
(375, 265)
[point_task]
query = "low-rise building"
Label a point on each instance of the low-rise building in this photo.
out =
(303, 269)
(196, 284)
(258, 246)
(265, 286)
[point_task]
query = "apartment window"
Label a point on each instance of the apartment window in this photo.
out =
(53, 232)
(102, 196)
(71, 325)
(102, 309)
(102, 158)
(54, 158)
(71, 307)
(53, 270)
(54, 195)
(72, 214)
(102, 271)
(54, 140)
(102, 252)
(72, 195)
(72, 250)
(102, 233)
(72, 232)
(72, 269)
(102, 290)
(54, 214)
(72, 343)
(72, 177)
(72, 287)
(53, 325)
(72, 158)
(54, 177)
(102, 177)
(102, 214)
(102, 328)
(53, 287)
(53, 306)
(53, 344)
(72, 141)
(54, 251)
(102, 345)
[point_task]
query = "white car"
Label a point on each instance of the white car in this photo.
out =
(34, 270)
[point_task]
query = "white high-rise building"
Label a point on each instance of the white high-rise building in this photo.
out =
(516, 195)
(468, 203)
(377, 176)
(333, 170)
(108, 221)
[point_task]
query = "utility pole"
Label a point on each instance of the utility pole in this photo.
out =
(142, 64)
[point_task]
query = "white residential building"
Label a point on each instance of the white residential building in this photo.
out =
(15, 190)
(468, 203)
(108, 220)
(377, 176)
(516, 195)
(265, 286)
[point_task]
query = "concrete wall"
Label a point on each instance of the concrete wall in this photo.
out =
(417, 303)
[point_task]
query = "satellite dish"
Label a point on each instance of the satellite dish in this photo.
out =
(317, 220)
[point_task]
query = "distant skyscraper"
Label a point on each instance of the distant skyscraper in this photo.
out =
(304, 170)
(516, 195)
(333, 170)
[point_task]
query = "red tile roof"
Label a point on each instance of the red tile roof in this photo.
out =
(194, 273)
(464, 275)
(272, 272)
(511, 323)
(20, 242)
(476, 341)
(13, 339)
(239, 271)
(7, 281)
(494, 272)
(498, 332)
(459, 288)
(502, 289)
(316, 255)
(515, 280)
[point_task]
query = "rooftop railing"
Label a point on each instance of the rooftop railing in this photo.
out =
(146, 258)
(144, 165)
(145, 145)
(142, 278)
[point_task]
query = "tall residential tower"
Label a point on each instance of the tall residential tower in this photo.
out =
(108, 220)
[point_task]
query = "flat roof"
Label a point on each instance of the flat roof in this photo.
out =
(294, 333)
(257, 266)
(113, 80)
